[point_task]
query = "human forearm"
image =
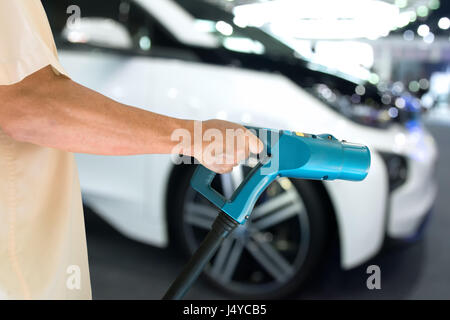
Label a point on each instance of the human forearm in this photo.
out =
(62, 114)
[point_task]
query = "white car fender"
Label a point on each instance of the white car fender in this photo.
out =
(361, 231)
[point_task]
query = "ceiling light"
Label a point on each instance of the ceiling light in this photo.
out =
(322, 19)
(444, 23)
(429, 38)
(422, 11)
(224, 28)
(423, 30)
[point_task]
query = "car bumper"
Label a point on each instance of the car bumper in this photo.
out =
(411, 202)
(415, 236)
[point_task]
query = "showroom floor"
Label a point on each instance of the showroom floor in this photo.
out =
(124, 269)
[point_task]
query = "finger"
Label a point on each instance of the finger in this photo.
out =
(255, 145)
(223, 169)
(228, 169)
(241, 155)
(243, 142)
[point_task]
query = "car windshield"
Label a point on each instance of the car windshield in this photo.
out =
(247, 40)
(220, 23)
(166, 12)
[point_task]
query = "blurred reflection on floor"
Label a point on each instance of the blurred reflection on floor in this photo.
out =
(124, 269)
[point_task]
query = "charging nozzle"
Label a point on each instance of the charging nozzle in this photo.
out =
(321, 157)
(292, 155)
(355, 162)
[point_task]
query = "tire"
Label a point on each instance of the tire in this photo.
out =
(271, 259)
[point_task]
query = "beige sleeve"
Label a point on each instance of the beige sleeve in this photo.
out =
(26, 41)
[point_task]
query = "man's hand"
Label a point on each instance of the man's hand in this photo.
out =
(221, 145)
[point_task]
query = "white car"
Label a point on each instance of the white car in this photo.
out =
(148, 53)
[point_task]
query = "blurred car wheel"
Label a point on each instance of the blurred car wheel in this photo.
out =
(273, 253)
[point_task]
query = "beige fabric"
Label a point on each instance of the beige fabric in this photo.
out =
(43, 251)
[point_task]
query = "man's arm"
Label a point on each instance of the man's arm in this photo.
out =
(53, 111)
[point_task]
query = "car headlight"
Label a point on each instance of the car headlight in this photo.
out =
(397, 169)
(367, 112)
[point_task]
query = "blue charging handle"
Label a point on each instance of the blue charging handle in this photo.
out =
(290, 154)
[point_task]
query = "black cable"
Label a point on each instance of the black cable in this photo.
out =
(221, 228)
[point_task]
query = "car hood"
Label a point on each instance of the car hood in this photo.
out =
(202, 91)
